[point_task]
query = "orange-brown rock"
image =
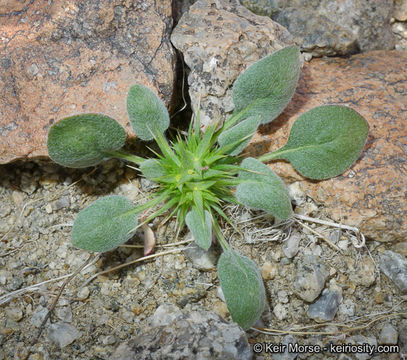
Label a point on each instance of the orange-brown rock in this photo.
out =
(373, 193)
(61, 58)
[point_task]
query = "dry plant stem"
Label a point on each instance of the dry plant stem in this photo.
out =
(319, 235)
(54, 303)
(333, 224)
(7, 297)
(350, 329)
(130, 263)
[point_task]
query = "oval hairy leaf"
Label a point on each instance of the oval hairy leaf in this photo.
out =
(239, 134)
(325, 141)
(151, 169)
(242, 287)
(146, 111)
(105, 224)
(268, 85)
(262, 189)
(82, 140)
(201, 230)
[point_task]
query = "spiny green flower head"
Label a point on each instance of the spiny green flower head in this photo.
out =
(201, 172)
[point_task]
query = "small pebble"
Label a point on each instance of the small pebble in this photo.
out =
(109, 340)
(282, 296)
(310, 278)
(347, 308)
(325, 308)
(269, 271)
(38, 316)
(388, 335)
(83, 293)
(64, 314)
(63, 334)
(280, 311)
(200, 258)
(15, 283)
(365, 273)
(290, 246)
(394, 266)
(48, 208)
(17, 197)
(62, 202)
(297, 193)
(14, 314)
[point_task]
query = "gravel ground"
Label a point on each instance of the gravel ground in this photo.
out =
(313, 290)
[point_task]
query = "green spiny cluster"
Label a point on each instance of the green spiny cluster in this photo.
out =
(199, 174)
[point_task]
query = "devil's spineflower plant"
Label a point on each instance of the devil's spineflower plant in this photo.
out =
(199, 173)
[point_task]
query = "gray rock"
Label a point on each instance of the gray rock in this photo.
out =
(388, 335)
(62, 202)
(394, 266)
(290, 246)
(310, 278)
(283, 297)
(280, 311)
(63, 334)
(360, 340)
(325, 27)
(200, 258)
(38, 316)
(64, 313)
(14, 313)
(219, 39)
(365, 273)
(325, 308)
(317, 35)
(190, 335)
(347, 308)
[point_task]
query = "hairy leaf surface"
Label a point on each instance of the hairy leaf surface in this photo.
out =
(325, 141)
(105, 224)
(243, 132)
(242, 287)
(262, 189)
(201, 229)
(83, 140)
(151, 169)
(146, 112)
(268, 85)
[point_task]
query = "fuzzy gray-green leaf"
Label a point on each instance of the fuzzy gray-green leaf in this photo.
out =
(151, 169)
(242, 287)
(105, 224)
(201, 230)
(243, 130)
(268, 85)
(325, 141)
(262, 189)
(83, 140)
(146, 111)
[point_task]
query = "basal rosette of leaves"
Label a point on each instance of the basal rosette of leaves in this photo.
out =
(199, 173)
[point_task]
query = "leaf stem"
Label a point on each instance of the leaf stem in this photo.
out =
(270, 156)
(221, 239)
(120, 154)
